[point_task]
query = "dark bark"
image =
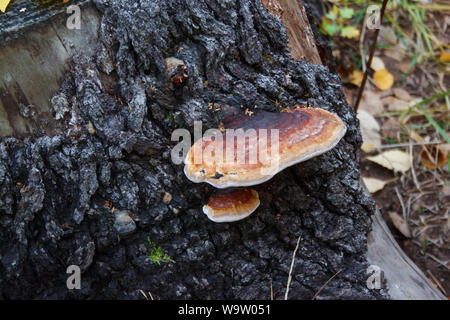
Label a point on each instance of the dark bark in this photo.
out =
(54, 189)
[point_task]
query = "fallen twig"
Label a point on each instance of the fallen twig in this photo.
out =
(372, 52)
(290, 271)
(325, 284)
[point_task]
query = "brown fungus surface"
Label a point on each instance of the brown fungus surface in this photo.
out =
(231, 204)
(302, 134)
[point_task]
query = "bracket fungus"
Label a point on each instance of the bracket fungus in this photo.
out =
(245, 154)
(267, 143)
(231, 204)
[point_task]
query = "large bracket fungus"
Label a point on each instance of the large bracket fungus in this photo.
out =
(300, 134)
(254, 148)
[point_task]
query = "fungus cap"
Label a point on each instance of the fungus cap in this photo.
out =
(303, 133)
(231, 204)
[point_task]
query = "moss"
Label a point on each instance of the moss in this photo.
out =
(268, 57)
(172, 120)
(157, 255)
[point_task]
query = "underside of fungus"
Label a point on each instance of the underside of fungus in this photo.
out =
(231, 204)
(301, 134)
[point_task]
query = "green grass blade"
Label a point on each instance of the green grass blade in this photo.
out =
(434, 123)
(430, 119)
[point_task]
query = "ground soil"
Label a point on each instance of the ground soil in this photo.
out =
(387, 200)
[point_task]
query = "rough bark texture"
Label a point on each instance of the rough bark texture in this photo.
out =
(57, 193)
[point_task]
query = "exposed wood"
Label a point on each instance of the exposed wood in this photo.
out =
(33, 66)
(301, 38)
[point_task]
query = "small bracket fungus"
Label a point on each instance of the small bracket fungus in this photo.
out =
(231, 205)
(267, 143)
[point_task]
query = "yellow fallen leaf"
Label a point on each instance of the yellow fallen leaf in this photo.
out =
(334, 12)
(383, 79)
(350, 32)
(4, 4)
(444, 57)
(374, 184)
(400, 223)
(356, 77)
(395, 159)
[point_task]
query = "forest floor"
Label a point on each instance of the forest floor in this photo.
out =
(404, 118)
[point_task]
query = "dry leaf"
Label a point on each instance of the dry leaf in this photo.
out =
(370, 129)
(404, 67)
(433, 157)
(397, 105)
(368, 147)
(414, 135)
(383, 79)
(446, 193)
(445, 147)
(414, 101)
(4, 4)
(444, 57)
(388, 36)
(402, 94)
(400, 224)
(356, 77)
(374, 184)
(377, 64)
(395, 159)
(397, 53)
(371, 102)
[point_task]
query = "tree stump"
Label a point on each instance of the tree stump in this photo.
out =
(87, 179)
